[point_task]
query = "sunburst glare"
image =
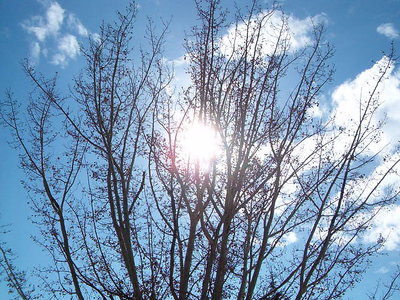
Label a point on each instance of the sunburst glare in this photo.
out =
(200, 143)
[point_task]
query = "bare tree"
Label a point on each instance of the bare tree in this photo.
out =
(81, 156)
(388, 290)
(128, 211)
(15, 279)
(232, 215)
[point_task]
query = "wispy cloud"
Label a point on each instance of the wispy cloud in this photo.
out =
(54, 34)
(75, 24)
(383, 270)
(388, 30)
(35, 51)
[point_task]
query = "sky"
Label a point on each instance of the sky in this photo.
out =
(49, 33)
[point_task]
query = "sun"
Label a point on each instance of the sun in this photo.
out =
(200, 143)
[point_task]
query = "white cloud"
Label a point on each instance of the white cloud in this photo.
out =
(69, 45)
(351, 97)
(95, 37)
(350, 101)
(290, 238)
(35, 52)
(180, 61)
(287, 239)
(315, 111)
(68, 48)
(387, 226)
(276, 30)
(383, 270)
(55, 17)
(301, 30)
(42, 27)
(77, 25)
(388, 30)
(181, 78)
(52, 37)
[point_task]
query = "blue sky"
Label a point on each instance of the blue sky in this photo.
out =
(49, 32)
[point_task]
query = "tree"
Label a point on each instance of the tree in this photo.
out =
(16, 280)
(128, 211)
(388, 289)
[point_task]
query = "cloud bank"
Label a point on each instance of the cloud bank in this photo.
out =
(349, 99)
